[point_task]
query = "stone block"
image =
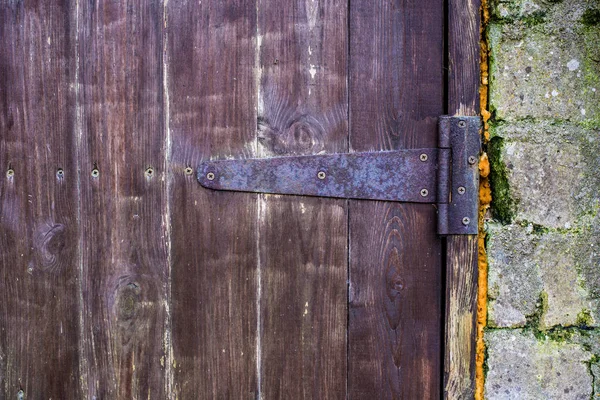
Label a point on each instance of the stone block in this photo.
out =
(542, 279)
(546, 67)
(549, 173)
(520, 366)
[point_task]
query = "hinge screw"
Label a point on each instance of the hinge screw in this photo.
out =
(466, 221)
(321, 175)
(189, 171)
(423, 157)
(461, 190)
(10, 173)
(472, 160)
(210, 176)
(462, 124)
(424, 192)
(95, 173)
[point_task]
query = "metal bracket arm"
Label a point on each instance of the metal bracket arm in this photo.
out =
(447, 176)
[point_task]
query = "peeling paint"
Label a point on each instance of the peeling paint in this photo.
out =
(485, 198)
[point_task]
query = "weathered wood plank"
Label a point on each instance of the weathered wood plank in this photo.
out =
(396, 95)
(212, 105)
(39, 270)
(461, 257)
(122, 142)
(461, 310)
(302, 97)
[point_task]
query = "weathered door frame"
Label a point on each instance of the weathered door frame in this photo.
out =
(463, 30)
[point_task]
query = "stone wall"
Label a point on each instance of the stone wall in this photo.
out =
(543, 234)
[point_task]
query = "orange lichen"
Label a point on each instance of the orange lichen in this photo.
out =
(485, 198)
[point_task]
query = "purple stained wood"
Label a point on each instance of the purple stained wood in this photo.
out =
(395, 303)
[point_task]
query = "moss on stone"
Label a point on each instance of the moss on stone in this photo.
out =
(584, 318)
(535, 320)
(590, 17)
(560, 334)
(503, 205)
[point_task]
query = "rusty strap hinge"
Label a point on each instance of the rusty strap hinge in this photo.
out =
(447, 176)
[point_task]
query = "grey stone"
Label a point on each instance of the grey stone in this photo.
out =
(552, 171)
(533, 11)
(514, 279)
(595, 369)
(523, 367)
(540, 277)
(548, 70)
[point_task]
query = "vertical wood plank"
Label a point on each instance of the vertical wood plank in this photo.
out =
(461, 257)
(396, 95)
(212, 114)
(124, 199)
(39, 310)
(302, 97)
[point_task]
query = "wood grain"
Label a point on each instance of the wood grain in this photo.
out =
(39, 270)
(124, 259)
(212, 114)
(396, 95)
(461, 310)
(302, 97)
(461, 258)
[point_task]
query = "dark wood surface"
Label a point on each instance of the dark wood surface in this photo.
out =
(212, 106)
(124, 242)
(139, 283)
(39, 231)
(461, 254)
(396, 95)
(302, 109)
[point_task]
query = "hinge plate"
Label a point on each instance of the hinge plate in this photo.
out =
(429, 175)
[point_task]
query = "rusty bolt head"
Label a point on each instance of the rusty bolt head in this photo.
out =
(461, 190)
(466, 221)
(424, 192)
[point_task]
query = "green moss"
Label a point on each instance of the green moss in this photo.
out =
(584, 318)
(503, 205)
(590, 17)
(560, 334)
(534, 321)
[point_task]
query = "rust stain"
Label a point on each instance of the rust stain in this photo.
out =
(485, 198)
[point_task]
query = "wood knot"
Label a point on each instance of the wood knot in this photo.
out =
(128, 296)
(394, 284)
(49, 241)
(303, 134)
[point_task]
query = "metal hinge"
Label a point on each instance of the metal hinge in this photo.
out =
(447, 176)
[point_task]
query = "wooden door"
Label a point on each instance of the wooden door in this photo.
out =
(123, 278)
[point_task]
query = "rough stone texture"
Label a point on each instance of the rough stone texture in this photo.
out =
(543, 243)
(534, 277)
(525, 367)
(552, 171)
(544, 65)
